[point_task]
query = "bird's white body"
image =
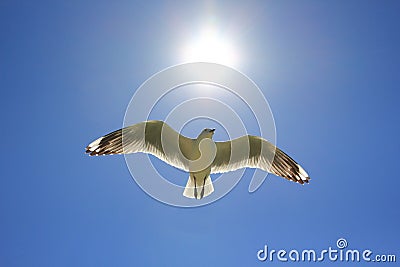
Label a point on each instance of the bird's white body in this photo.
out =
(199, 183)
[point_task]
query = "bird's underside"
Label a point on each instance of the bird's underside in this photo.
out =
(160, 140)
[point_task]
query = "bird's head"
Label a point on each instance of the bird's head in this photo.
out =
(206, 133)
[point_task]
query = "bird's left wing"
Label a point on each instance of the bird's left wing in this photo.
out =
(153, 137)
(256, 152)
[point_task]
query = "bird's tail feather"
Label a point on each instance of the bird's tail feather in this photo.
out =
(190, 189)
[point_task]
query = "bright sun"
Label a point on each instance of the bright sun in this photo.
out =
(209, 46)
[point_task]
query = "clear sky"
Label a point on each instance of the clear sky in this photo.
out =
(329, 69)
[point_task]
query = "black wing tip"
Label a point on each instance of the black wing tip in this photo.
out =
(304, 181)
(94, 153)
(97, 147)
(103, 152)
(90, 152)
(298, 175)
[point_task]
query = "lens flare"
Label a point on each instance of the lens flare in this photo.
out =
(210, 46)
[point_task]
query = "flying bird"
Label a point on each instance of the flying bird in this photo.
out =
(200, 156)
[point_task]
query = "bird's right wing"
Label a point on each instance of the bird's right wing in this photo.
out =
(153, 137)
(256, 152)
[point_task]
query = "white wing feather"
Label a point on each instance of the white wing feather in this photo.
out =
(153, 137)
(256, 152)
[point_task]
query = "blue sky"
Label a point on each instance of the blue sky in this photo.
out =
(330, 71)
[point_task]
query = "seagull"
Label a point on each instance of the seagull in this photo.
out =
(201, 156)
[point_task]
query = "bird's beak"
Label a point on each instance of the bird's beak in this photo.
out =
(212, 130)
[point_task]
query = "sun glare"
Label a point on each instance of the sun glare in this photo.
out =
(209, 46)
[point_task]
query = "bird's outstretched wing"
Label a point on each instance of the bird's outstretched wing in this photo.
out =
(256, 152)
(153, 137)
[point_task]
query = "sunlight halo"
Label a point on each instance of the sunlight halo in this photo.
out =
(210, 46)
